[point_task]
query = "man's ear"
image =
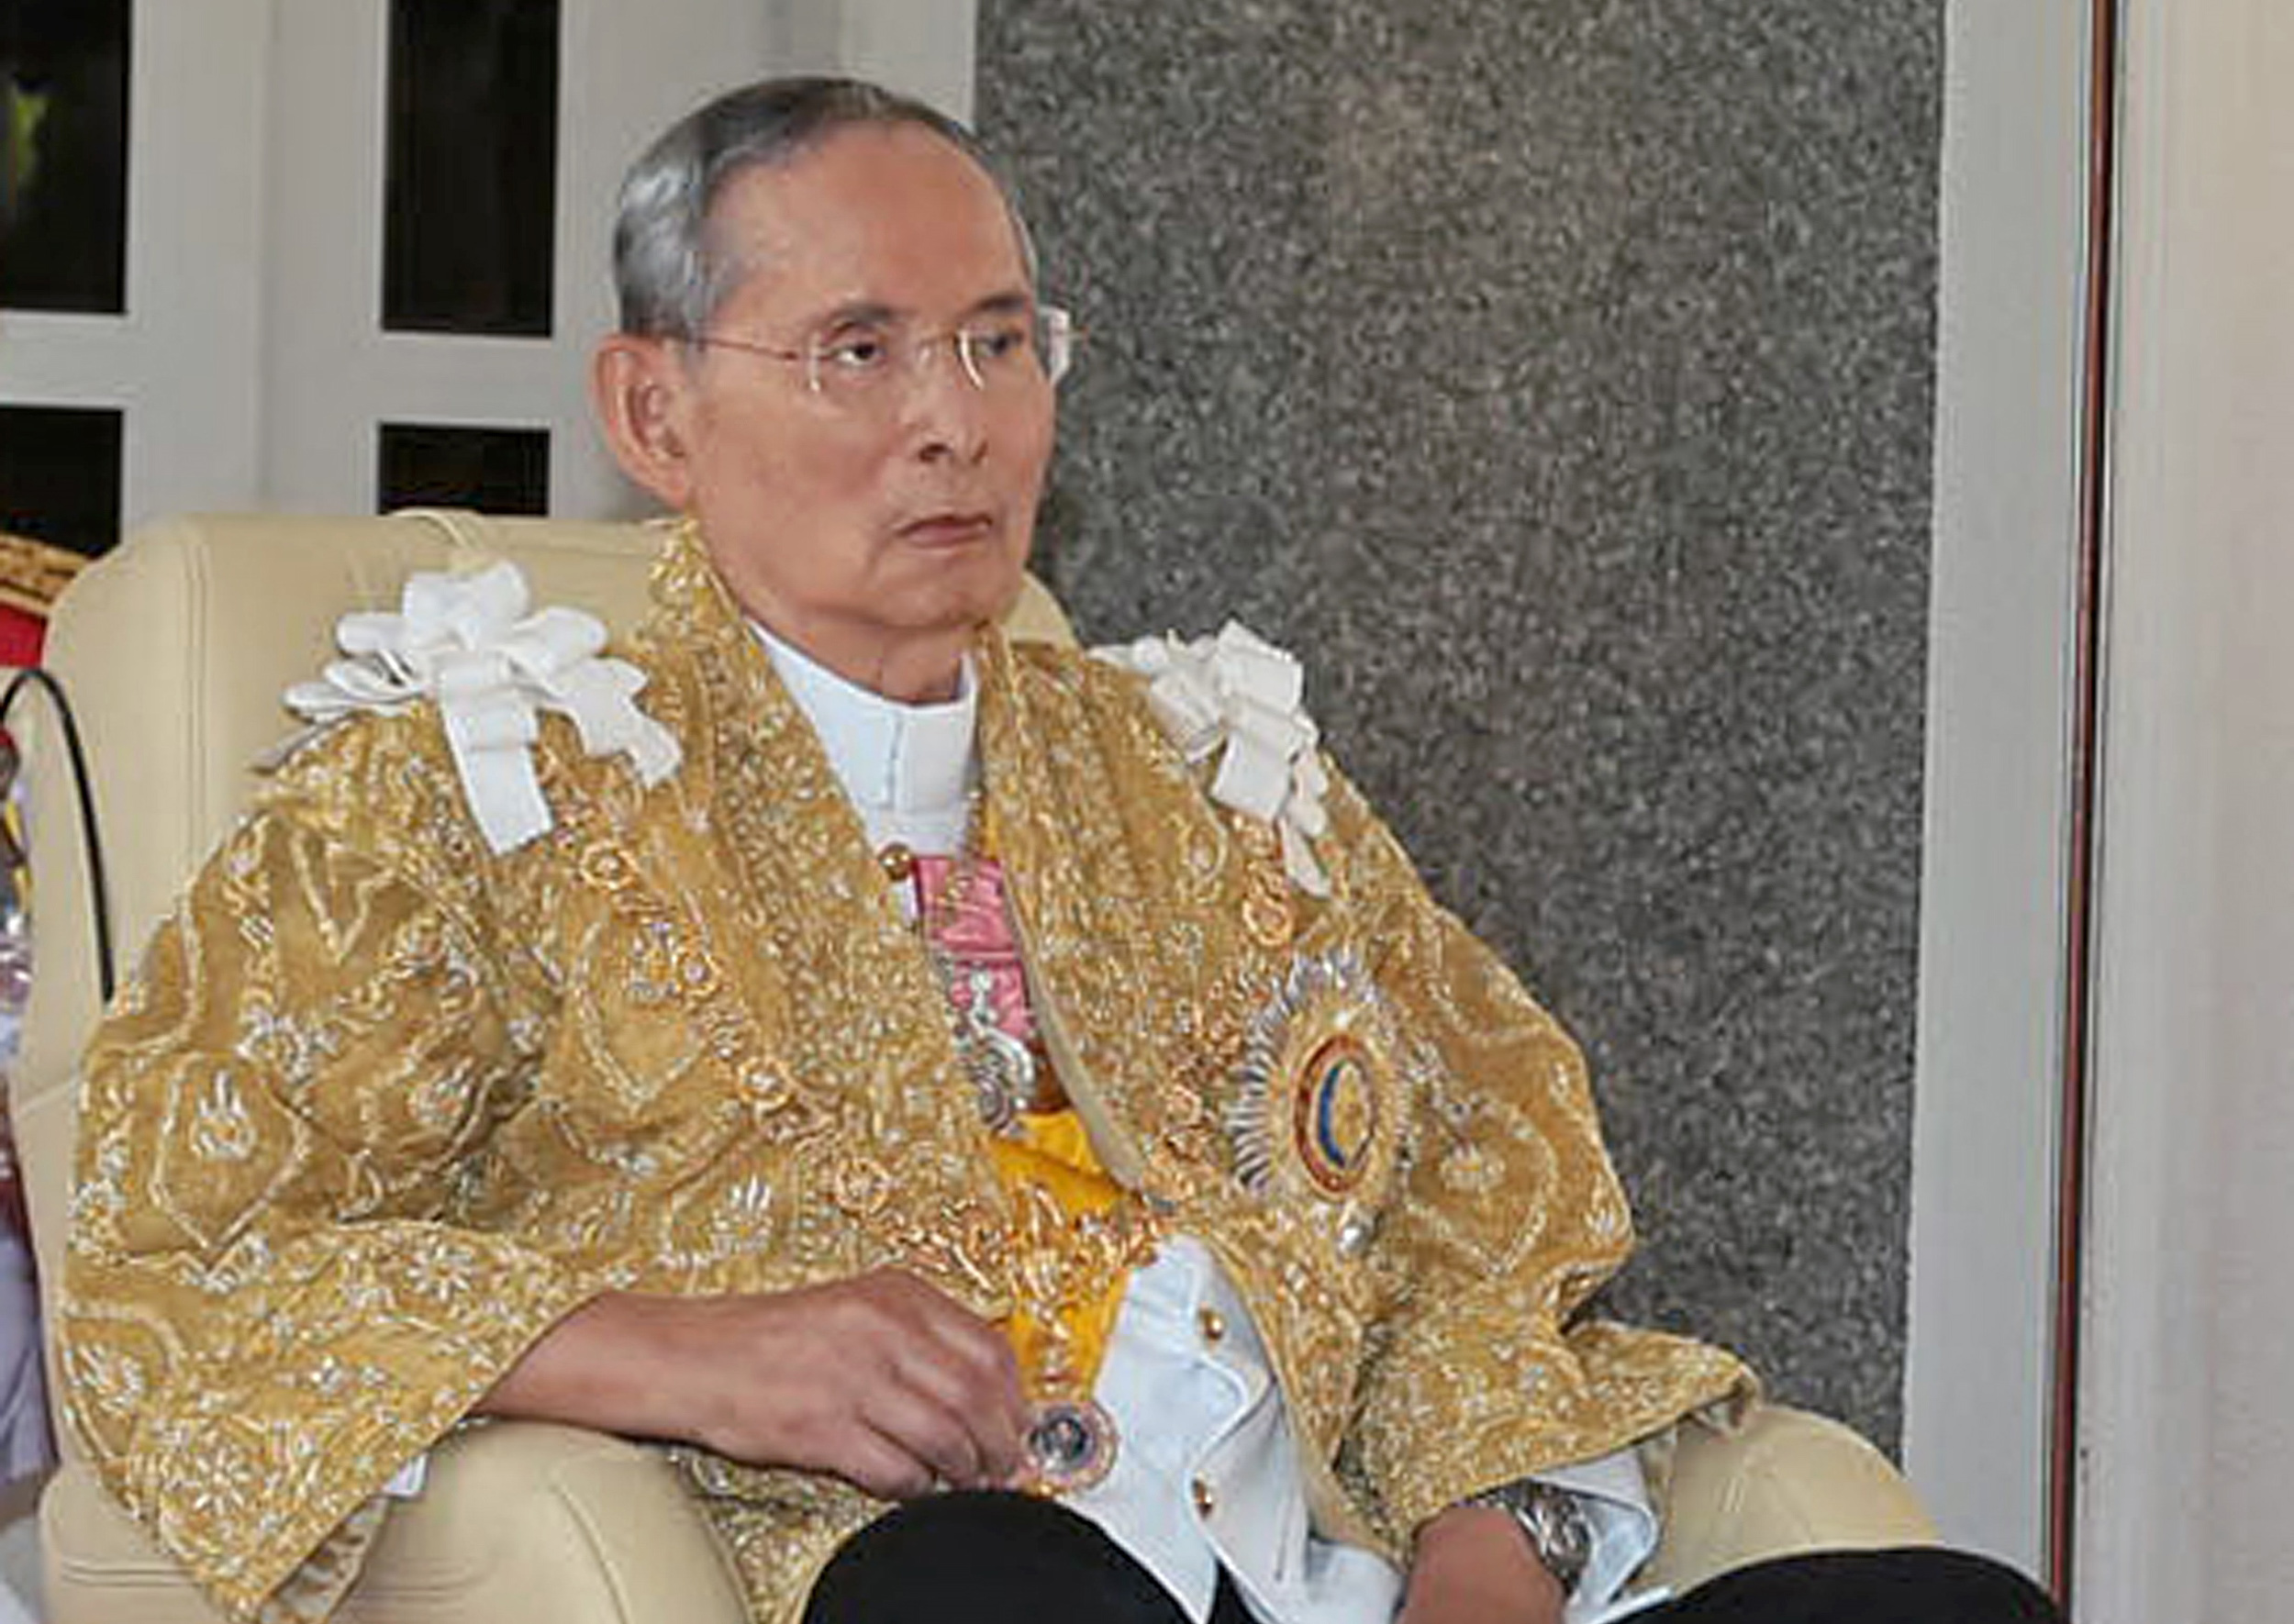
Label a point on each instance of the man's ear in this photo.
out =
(642, 397)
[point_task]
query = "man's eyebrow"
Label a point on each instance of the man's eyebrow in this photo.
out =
(874, 312)
(1015, 301)
(860, 313)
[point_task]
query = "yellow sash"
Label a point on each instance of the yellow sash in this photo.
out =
(1055, 1156)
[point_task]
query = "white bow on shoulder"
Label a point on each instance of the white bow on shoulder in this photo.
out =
(1241, 692)
(468, 644)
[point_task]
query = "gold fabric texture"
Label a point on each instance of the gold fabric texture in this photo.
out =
(379, 1108)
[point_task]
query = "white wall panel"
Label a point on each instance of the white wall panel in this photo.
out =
(2001, 631)
(183, 361)
(252, 361)
(924, 48)
(2189, 1443)
(333, 373)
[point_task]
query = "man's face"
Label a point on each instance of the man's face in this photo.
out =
(841, 522)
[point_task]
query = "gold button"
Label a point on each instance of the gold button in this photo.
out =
(1213, 1325)
(1204, 1501)
(898, 862)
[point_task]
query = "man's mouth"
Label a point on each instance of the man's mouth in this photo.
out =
(947, 530)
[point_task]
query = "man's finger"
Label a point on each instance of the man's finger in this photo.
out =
(967, 1362)
(878, 1466)
(984, 1393)
(928, 1432)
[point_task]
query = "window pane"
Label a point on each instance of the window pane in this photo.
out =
(60, 475)
(471, 197)
(63, 155)
(448, 465)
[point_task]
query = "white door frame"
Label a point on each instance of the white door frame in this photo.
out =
(250, 363)
(1997, 883)
(182, 362)
(2187, 1440)
(331, 374)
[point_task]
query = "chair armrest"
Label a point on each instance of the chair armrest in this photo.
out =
(1783, 1482)
(517, 1520)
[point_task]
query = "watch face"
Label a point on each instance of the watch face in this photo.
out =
(1557, 1528)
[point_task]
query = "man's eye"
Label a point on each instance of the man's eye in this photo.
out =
(998, 343)
(855, 355)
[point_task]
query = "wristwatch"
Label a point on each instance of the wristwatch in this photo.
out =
(1552, 1520)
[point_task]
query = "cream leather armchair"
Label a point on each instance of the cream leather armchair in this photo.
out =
(175, 651)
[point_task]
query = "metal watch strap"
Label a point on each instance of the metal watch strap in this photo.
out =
(1552, 1520)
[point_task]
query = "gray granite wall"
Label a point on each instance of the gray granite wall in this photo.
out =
(1556, 376)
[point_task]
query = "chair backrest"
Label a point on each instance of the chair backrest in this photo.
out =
(173, 652)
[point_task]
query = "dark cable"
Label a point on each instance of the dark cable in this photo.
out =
(99, 893)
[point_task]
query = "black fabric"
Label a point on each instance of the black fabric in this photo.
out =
(1908, 1587)
(986, 1558)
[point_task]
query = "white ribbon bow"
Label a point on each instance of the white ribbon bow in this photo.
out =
(467, 642)
(1241, 692)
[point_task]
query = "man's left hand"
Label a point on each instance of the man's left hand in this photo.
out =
(1473, 1565)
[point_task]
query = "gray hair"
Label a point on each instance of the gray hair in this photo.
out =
(667, 269)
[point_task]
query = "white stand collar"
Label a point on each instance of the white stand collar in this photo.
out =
(909, 760)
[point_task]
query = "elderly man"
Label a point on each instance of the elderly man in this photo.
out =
(1010, 1123)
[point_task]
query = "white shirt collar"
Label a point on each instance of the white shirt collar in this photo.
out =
(904, 758)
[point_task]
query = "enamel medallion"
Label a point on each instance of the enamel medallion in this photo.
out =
(1322, 1095)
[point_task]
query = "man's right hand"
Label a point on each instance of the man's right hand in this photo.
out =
(882, 1380)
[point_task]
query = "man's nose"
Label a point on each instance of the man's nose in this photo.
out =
(946, 405)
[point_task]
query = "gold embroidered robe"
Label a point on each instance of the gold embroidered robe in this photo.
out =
(381, 1107)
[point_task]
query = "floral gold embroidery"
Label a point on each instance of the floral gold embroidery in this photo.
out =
(860, 1184)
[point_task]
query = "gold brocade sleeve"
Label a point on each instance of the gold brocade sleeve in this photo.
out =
(268, 1308)
(1475, 1372)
